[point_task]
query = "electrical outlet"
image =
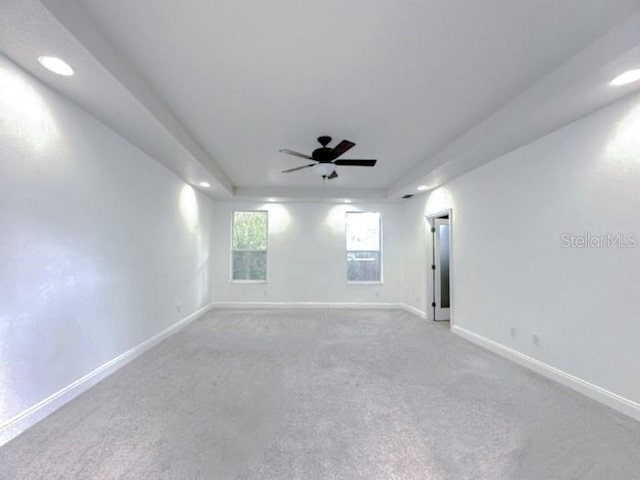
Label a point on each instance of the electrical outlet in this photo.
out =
(377, 294)
(513, 332)
(178, 307)
(536, 339)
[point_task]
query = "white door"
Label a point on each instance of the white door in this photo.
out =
(441, 264)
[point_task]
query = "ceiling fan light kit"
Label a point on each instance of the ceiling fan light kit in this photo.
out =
(323, 169)
(326, 158)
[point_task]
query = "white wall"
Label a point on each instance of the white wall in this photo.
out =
(306, 258)
(98, 243)
(509, 267)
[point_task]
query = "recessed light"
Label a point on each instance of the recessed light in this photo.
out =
(626, 78)
(56, 65)
(271, 199)
(422, 188)
(346, 200)
(204, 184)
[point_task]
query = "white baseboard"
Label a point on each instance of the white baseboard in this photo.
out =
(355, 305)
(414, 310)
(26, 419)
(612, 400)
(39, 411)
(349, 305)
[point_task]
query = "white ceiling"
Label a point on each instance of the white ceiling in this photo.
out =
(30, 30)
(234, 81)
(401, 79)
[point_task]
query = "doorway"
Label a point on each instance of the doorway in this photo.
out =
(440, 266)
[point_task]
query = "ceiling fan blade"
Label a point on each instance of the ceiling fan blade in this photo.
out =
(295, 154)
(333, 175)
(298, 168)
(356, 163)
(341, 148)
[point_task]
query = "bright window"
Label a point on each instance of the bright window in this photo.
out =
(249, 246)
(364, 260)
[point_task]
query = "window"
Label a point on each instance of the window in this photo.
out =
(249, 246)
(364, 263)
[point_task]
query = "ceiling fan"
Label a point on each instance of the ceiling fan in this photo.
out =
(326, 158)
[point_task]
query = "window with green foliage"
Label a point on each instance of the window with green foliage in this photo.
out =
(249, 246)
(364, 262)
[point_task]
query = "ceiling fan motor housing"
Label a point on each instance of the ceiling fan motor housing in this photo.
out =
(322, 155)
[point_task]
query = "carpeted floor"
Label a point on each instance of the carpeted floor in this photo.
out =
(325, 394)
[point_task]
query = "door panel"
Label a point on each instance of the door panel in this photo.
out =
(442, 262)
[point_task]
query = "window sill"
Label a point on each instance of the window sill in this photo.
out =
(365, 283)
(248, 282)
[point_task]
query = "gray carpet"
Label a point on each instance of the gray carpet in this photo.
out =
(325, 394)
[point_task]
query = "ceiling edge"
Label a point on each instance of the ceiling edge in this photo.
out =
(73, 17)
(576, 88)
(309, 194)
